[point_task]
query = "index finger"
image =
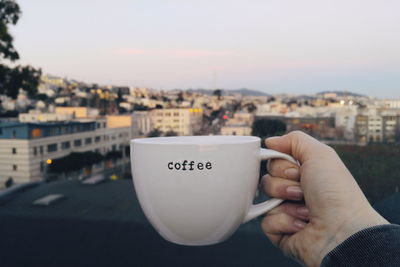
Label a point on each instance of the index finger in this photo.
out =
(298, 144)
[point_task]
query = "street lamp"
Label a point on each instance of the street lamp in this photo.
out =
(46, 167)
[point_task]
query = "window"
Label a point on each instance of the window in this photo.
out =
(14, 134)
(97, 139)
(14, 167)
(88, 141)
(77, 142)
(176, 113)
(36, 133)
(104, 125)
(65, 145)
(41, 166)
(51, 148)
(114, 147)
(98, 125)
(41, 150)
(14, 150)
(35, 151)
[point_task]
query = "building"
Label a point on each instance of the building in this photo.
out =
(78, 112)
(182, 121)
(26, 147)
(141, 123)
(240, 124)
(345, 120)
(378, 125)
(236, 130)
(37, 116)
(241, 118)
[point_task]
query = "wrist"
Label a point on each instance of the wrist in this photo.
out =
(351, 224)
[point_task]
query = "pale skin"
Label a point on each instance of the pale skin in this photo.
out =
(334, 209)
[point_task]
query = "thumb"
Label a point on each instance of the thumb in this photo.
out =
(298, 144)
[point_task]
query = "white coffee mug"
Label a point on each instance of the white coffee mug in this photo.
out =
(197, 190)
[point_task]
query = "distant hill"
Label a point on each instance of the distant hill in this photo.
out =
(340, 93)
(242, 91)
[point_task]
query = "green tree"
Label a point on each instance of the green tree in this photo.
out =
(266, 127)
(171, 133)
(12, 79)
(218, 93)
(154, 133)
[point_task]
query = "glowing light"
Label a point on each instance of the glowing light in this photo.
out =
(49, 161)
(191, 110)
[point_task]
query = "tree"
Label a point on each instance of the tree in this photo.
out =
(217, 93)
(12, 79)
(170, 133)
(266, 127)
(154, 133)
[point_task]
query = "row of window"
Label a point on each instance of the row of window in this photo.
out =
(100, 125)
(168, 114)
(67, 144)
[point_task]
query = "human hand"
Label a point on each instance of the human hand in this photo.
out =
(334, 206)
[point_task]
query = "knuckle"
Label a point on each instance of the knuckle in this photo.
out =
(297, 134)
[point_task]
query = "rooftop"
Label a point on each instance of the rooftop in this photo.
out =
(102, 224)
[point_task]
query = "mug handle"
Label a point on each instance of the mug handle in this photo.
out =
(264, 207)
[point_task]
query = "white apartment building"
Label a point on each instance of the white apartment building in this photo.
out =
(183, 121)
(236, 130)
(25, 147)
(345, 119)
(141, 123)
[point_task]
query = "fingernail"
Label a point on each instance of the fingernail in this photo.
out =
(292, 173)
(295, 192)
(303, 211)
(299, 224)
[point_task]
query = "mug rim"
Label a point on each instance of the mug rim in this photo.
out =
(197, 140)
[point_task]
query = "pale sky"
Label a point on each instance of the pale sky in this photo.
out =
(275, 46)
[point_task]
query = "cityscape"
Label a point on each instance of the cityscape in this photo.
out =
(69, 116)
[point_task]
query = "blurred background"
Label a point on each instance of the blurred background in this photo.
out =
(79, 79)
